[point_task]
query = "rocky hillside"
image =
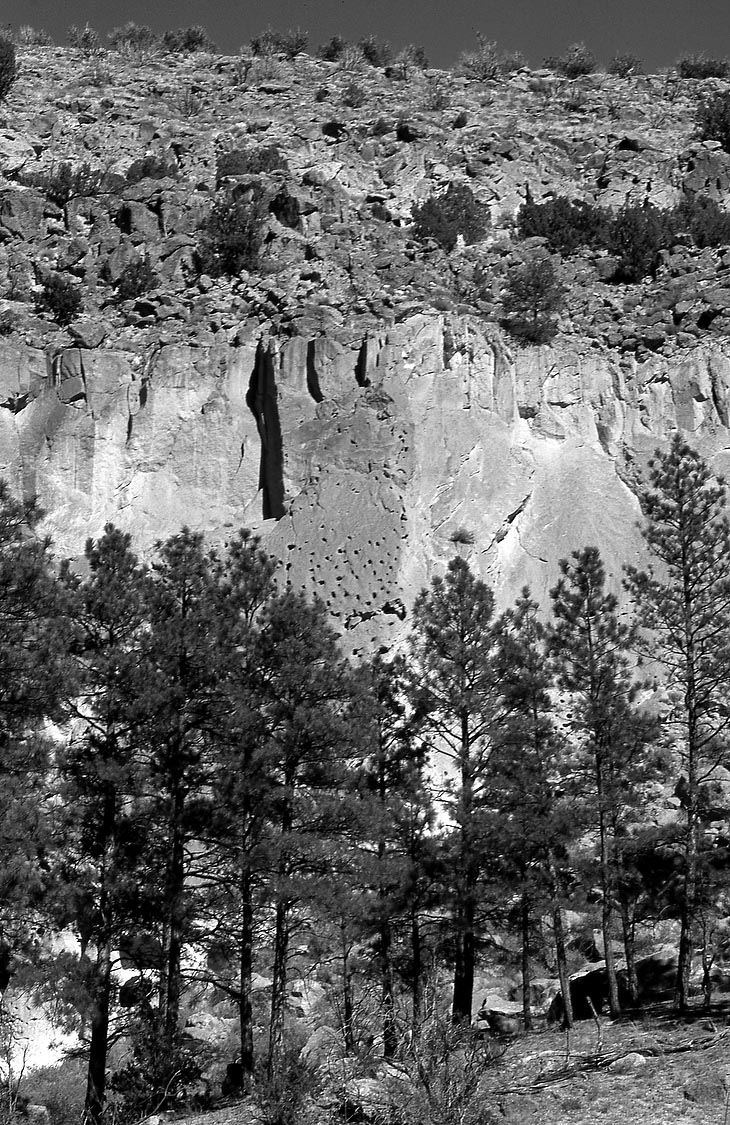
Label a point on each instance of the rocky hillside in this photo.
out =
(355, 399)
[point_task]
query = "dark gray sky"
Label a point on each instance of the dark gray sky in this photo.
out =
(659, 31)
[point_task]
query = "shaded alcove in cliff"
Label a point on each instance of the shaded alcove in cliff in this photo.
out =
(261, 400)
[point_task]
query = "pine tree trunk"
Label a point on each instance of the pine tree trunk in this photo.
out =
(684, 959)
(526, 975)
(560, 956)
(246, 985)
(627, 926)
(99, 1039)
(417, 962)
(689, 901)
(278, 992)
(464, 962)
(347, 1002)
(465, 955)
(390, 1039)
(607, 915)
(172, 988)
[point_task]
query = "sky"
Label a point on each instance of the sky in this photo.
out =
(658, 31)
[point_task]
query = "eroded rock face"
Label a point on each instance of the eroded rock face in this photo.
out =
(365, 464)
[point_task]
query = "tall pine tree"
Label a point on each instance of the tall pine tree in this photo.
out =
(683, 601)
(456, 702)
(590, 647)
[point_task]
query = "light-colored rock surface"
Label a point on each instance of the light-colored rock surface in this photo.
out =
(359, 463)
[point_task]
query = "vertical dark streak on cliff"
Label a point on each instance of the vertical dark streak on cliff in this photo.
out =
(312, 377)
(262, 402)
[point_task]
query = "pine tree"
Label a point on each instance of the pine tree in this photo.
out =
(683, 601)
(396, 835)
(99, 880)
(533, 821)
(455, 700)
(182, 708)
(238, 861)
(590, 647)
(305, 691)
(32, 676)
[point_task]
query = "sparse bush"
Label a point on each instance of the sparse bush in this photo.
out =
(533, 295)
(288, 43)
(84, 39)
(33, 37)
(374, 52)
(189, 103)
(353, 95)
(232, 235)
(8, 321)
(713, 120)
(133, 39)
(700, 66)
(65, 182)
(188, 41)
(437, 98)
(636, 235)
(61, 298)
(250, 162)
(705, 221)
(137, 278)
(61, 1088)
(577, 61)
(8, 66)
(455, 212)
(488, 61)
(161, 1075)
(150, 168)
(565, 224)
(623, 66)
(412, 57)
(332, 50)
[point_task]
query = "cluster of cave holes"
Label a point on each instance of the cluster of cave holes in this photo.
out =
(351, 572)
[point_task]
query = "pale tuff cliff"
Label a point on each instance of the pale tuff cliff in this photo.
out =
(364, 463)
(353, 397)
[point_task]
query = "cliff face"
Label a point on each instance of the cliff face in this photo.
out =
(364, 463)
(352, 398)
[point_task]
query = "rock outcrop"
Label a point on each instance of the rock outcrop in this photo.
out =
(354, 400)
(364, 463)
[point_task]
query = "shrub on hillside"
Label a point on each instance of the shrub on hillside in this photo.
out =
(489, 61)
(8, 66)
(188, 41)
(636, 236)
(455, 212)
(332, 50)
(66, 181)
(374, 52)
(575, 62)
(84, 39)
(533, 295)
(700, 66)
(705, 221)
(288, 43)
(232, 235)
(565, 224)
(353, 96)
(28, 36)
(713, 120)
(133, 39)
(60, 298)
(412, 57)
(136, 279)
(623, 66)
